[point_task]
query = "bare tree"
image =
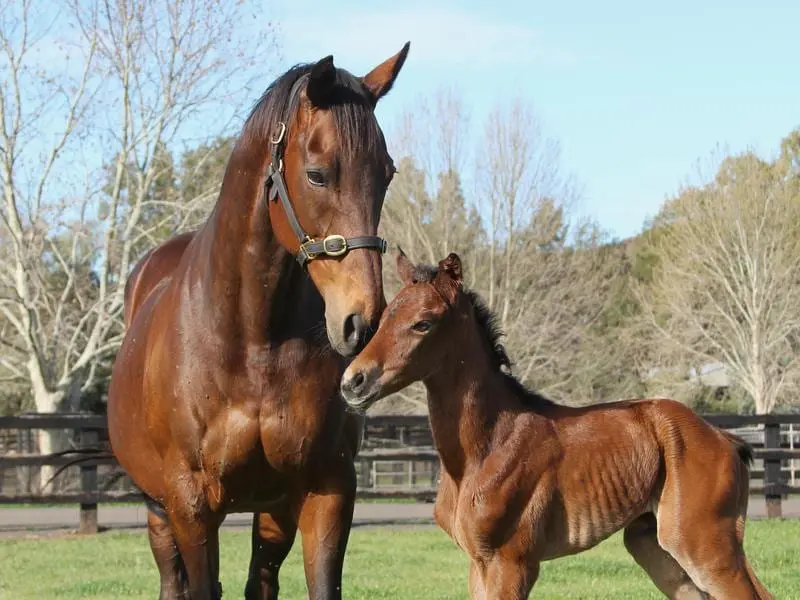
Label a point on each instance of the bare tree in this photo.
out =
(726, 285)
(426, 210)
(513, 225)
(543, 278)
(142, 76)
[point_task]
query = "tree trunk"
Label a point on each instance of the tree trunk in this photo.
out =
(50, 440)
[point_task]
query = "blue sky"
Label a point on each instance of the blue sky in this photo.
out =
(635, 92)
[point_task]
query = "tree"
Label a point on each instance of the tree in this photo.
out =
(725, 284)
(138, 78)
(426, 209)
(544, 275)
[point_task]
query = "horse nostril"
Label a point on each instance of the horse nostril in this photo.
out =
(354, 327)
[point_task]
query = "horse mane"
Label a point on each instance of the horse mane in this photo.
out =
(491, 333)
(349, 102)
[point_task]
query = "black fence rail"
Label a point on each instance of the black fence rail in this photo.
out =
(397, 460)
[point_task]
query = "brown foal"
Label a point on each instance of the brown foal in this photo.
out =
(526, 480)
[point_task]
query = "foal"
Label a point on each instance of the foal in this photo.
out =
(526, 480)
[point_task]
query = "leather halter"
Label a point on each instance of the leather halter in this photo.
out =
(310, 248)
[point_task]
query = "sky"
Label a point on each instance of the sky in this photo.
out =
(636, 93)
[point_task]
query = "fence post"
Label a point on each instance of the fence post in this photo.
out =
(772, 470)
(792, 464)
(364, 474)
(88, 510)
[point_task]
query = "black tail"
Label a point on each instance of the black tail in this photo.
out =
(88, 454)
(743, 449)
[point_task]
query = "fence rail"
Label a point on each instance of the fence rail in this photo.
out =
(402, 471)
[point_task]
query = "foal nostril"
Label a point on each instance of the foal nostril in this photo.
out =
(354, 328)
(356, 383)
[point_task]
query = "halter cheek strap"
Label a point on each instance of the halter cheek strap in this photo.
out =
(310, 248)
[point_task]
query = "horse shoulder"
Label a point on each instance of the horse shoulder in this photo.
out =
(496, 498)
(154, 267)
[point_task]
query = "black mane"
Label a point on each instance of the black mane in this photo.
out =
(349, 101)
(491, 333)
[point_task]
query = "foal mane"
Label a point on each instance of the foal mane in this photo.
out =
(348, 100)
(491, 333)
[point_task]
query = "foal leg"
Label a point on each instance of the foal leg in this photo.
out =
(325, 520)
(507, 579)
(476, 588)
(641, 542)
(273, 536)
(707, 548)
(168, 559)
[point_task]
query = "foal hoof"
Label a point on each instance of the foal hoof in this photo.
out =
(219, 590)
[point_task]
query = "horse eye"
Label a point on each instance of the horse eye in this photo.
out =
(422, 326)
(315, 177)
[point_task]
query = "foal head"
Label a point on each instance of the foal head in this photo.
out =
(412, 340)
(328, 176)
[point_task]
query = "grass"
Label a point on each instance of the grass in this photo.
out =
(404, 563)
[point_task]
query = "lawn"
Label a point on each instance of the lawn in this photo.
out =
(400, 563)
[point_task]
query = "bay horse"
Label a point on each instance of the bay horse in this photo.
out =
(224, 395)
(526, 480)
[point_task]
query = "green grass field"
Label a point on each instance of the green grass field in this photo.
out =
(401, 564)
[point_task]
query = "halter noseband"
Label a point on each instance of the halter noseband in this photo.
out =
(332, 245)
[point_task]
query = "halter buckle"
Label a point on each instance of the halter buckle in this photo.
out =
(335, 238)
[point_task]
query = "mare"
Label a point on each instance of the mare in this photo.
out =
(224, 396)
(526, 480)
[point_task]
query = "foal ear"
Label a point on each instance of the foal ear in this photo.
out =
(448, 279)
(321, 81)
(380, 80)
(405, 268)
(452, 266)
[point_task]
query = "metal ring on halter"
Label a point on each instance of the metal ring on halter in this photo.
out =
(281, 132)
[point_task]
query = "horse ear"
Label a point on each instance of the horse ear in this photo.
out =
(380, 80)
(321, 81)
(405, 268)
(452, 266)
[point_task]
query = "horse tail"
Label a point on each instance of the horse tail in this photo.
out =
(88, 454)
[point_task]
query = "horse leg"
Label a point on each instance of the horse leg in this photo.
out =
(325, 519)
(197, 536)
(168, 559)
(641, 542)
(509, 579)
(273, 536)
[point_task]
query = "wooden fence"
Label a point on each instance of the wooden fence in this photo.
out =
(397, 460)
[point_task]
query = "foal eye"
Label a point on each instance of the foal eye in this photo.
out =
(422, 326)
(315, 177)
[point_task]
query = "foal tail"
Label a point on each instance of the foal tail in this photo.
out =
(743, 448)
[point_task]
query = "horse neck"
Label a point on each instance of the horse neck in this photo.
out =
(466, 397)
(251, 281)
